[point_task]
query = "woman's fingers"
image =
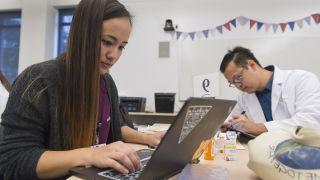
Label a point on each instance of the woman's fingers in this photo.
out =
(116, 165)
(118, 156)
(130, 153)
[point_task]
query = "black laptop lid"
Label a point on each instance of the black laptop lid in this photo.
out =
(199, 119)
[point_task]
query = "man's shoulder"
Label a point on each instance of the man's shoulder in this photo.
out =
(294, 75)
(297, 74)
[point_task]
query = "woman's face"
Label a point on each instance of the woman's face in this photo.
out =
(114, 37)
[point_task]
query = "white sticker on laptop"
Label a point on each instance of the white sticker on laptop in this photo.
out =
(193, 117)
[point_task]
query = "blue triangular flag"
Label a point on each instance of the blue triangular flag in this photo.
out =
(219, 28)
(178, 33)
(275, 27)
(205, 33)
(259, 25)
(191, 34)
(291, 25)
(308, 20)
(233, 22)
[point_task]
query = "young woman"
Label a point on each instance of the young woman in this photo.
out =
(59, 108)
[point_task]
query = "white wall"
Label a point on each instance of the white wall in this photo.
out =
(10, 5)
(37, 32)
(140, 72)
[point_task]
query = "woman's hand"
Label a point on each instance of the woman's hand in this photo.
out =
(153, 140)
(117, 155)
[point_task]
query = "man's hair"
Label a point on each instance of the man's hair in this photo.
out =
(240, 56)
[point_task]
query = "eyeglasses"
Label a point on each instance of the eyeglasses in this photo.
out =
(237, 79)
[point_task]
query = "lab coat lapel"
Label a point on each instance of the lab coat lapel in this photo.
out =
(278, 79)
(255, 108)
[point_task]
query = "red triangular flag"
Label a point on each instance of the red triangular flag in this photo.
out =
(283, 26)
(227, 25)
(252, 23)
(315, 17)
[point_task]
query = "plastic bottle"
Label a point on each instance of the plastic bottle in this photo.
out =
(208, 152)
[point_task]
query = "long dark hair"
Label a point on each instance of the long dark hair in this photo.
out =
(80, 90)
(4, 82)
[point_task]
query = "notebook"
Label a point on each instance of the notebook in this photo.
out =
(198, 120)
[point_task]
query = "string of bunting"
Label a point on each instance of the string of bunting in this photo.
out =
(242, 21)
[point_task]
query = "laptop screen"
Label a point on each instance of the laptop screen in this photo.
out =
(199, 119)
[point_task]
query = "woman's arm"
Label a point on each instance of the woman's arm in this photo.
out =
(116, 155)
(133, 136)
(58, 163)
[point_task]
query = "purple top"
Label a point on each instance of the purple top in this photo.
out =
(104, 113)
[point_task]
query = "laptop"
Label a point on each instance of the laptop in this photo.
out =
(198, 120)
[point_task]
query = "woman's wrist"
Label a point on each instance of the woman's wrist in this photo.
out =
(145, 139)
(83, 156)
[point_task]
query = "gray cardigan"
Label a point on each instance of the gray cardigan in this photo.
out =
(32, 123)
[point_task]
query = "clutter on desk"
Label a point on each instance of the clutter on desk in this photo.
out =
(219, 142)
(230, 146)
(225, 143)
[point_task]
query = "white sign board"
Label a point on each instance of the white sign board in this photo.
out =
(206, 85)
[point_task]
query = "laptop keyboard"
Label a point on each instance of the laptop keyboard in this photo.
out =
(144, 154)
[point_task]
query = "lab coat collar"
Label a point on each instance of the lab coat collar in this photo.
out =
(278, 79)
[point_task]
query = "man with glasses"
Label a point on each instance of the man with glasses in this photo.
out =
(271, 99)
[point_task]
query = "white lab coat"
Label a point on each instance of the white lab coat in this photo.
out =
(3, 99)
(295, 100)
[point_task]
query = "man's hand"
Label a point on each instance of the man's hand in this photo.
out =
(242, 123)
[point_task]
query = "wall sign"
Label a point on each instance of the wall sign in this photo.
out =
(206, 85)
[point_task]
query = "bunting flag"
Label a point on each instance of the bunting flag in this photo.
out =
(206, 33)
(227, 26)
(185, 36)
(308, 20)
(242, 20)
(291, 25)
(219, 28)
(267, 26)
(178, 34)
(252, 23)
(191, 34)
(316, 18)
(213, 32)
(259, 25)
(275, 27)
(283, 26)
(233, 22)
(313, 19)
(199, 35)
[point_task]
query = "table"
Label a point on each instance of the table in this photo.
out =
(236, 169)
